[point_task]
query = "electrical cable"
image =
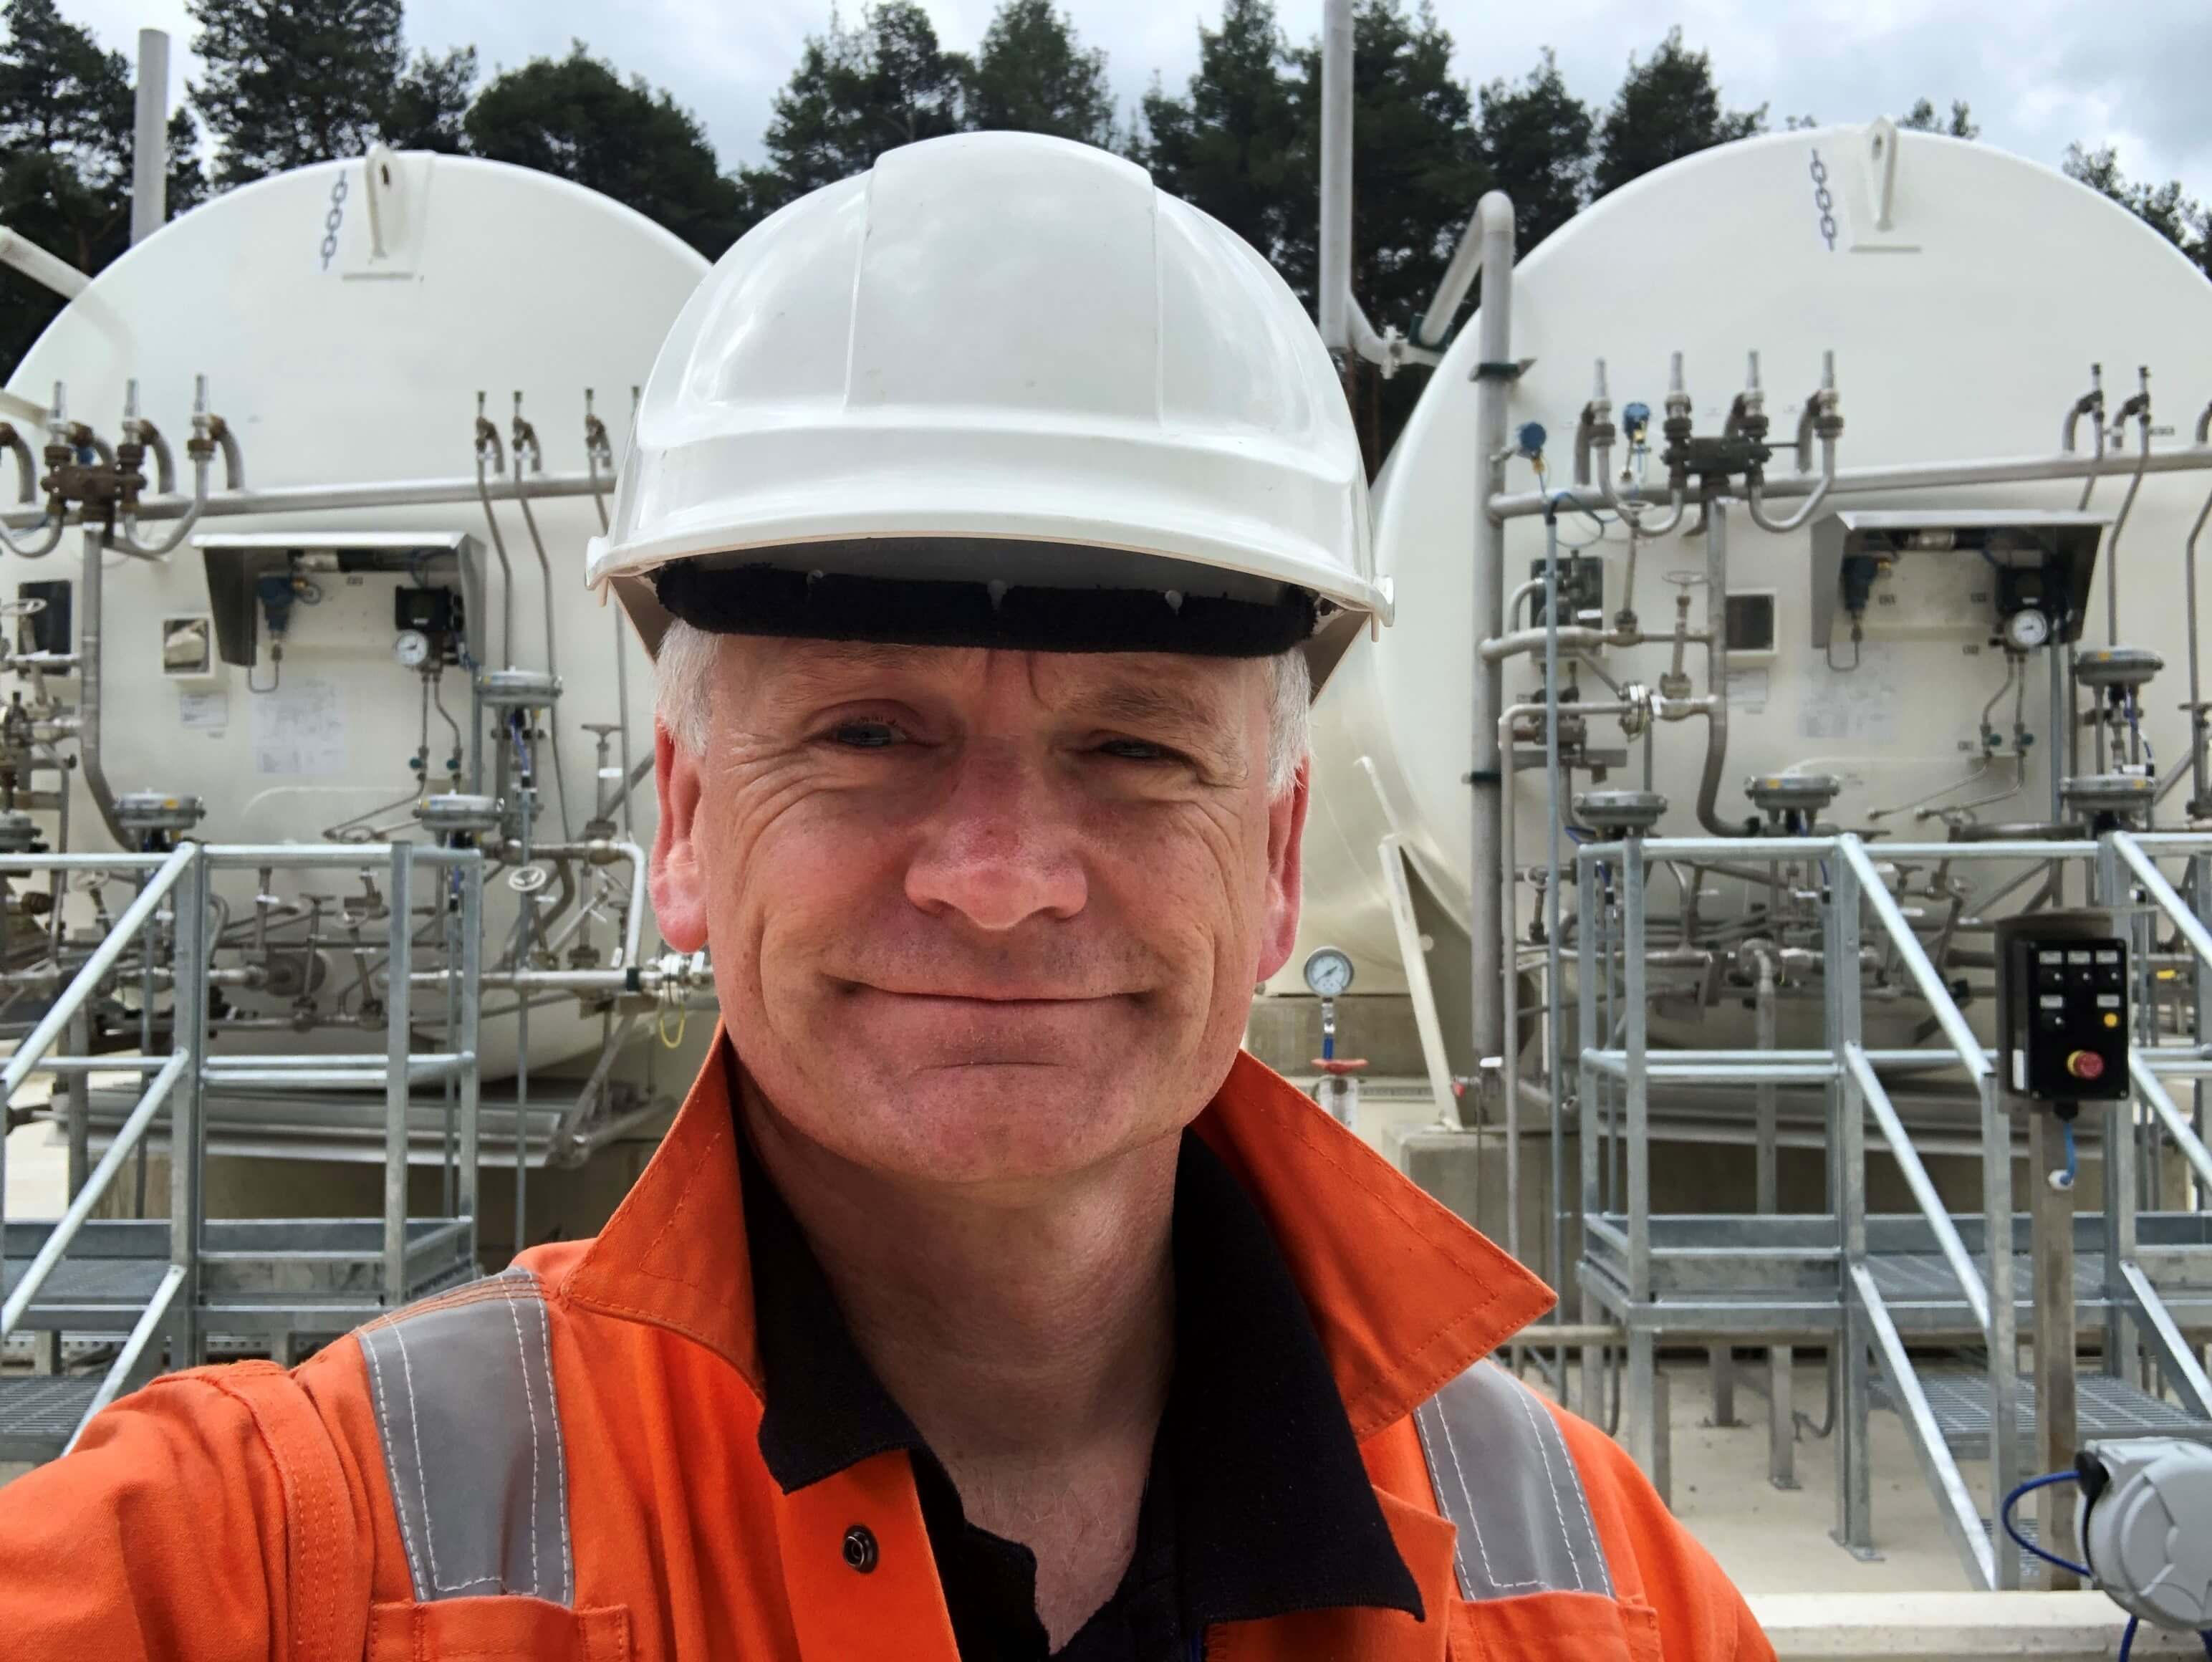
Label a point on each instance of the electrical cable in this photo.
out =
(2004, 1516)
(2128, 1638)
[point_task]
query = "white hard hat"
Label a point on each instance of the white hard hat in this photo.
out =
(999, 377)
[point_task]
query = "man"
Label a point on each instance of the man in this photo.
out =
(989, 515)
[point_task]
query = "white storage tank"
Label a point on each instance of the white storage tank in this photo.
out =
(1965, 320)
(346, 316)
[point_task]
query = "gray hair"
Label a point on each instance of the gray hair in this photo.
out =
(685, 662)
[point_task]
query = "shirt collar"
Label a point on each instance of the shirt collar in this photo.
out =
(1402, 1295)
(1255, 1435)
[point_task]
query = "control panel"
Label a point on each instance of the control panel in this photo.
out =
(2064, 1023)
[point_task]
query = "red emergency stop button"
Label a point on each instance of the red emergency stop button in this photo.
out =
(2085, 1064)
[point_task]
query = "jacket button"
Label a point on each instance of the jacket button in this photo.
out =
(861, 1547)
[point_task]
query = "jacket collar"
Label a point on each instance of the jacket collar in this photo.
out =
(1404, 1295)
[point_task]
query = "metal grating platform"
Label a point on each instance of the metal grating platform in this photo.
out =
(124, 1282)
(38, 1414)
(2107, 1407)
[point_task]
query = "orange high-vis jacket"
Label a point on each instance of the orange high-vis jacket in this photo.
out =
(561, 1464)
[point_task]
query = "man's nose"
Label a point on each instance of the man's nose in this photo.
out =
(1001, 846)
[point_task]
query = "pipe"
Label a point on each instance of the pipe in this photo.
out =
(597, 449)
(1332, 291)
(150, 139)
(1573, 638)
(1452, 287)
(1717, 670)
(489, 450)
(1599, 439)
(1487, 922)
(89, 759)
(334, 498)
(1919, 476)
(2090, 404)
(1820, 419)
(525, 441)
(2196, 689)
(2139, 407)
(41, 267)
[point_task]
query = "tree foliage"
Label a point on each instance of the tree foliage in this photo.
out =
(1669, 106)
(1536, 142)
(67, 111)
(2167, 208)
(859, 91)
(1031, 75)
(1231, 144)
(430, 105)
(574, 116)
(1922, 119)
(286, 83)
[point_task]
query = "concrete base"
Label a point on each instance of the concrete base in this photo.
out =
(1955, 1627)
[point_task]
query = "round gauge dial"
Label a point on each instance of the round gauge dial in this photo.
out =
(411, 648)
(1328, 971)
(2027, 629)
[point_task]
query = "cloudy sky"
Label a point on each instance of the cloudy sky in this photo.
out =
(2038, 73)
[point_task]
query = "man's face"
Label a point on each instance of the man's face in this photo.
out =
(980, 916)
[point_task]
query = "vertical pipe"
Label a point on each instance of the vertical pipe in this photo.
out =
(1333, 290)
(396, 1004)
(187, 1193)
(1555, 967)
(1586, 1019)
(149, 146)
(91, 756)
(1489, 913)
(2005, 1440)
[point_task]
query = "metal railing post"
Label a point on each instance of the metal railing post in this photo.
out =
(1586, 1088)
(472, 886)
(400, 963)
(1641, 1431)
(187, 1102)
(2109, 885)
(1854, 1478)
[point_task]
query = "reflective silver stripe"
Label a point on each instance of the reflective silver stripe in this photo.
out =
(464, 1393)
(1505, 1481)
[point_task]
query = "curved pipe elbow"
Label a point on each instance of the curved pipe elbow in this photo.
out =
(27, 465)
(129, 543)
(1754, 501)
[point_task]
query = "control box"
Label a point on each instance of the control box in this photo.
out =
(2063, 1008)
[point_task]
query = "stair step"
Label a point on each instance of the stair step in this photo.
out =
(39, 1413)
(2105, 1407)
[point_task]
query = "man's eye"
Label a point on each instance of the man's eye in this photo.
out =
(865, 735)
(1136, 750)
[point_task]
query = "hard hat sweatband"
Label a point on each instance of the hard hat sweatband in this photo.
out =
(764, 599)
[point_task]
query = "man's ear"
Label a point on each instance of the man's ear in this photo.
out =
(678, 878)
(1286, 826)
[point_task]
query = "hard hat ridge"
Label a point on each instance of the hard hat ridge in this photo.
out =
(999, 359)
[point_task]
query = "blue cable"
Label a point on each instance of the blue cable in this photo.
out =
(2128, 1638)
(2072, 1166)
(2004, 1516)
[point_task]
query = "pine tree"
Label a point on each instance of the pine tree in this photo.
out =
(1231, 144)
(1417, 162)
(1032, 75)
(1537, 139)
(1668, 107)
(1922, 119)
(2167, 209)
(575, 117)
(66, 115)
(857, 92)
(287, 83)
(430, 105)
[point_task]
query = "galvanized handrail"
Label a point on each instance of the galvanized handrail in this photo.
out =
(2162, 894)
(1917, 1179)
(64, 1232)
(2153, 1091)
(142, 1333)
(25, 1061)
(1939, 1001)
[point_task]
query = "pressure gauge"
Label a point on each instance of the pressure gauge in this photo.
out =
(412, 646)
(2027, 629)
(1328, 971)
